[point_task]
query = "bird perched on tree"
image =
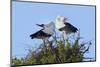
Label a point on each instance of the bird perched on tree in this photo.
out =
(64, 26)
(46, 32)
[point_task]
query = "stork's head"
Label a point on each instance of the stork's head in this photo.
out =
(60, 19)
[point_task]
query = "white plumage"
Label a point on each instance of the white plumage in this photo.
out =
(59, 22)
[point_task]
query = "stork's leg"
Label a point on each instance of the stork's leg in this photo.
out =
(63, 38)
(55, 38)
(44, 42)
(49, 43)
(44, 45)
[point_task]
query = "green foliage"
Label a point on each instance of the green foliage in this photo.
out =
(31, 59)
(63, 52)
(17, 61)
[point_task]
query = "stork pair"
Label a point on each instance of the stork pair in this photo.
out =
(49, 29)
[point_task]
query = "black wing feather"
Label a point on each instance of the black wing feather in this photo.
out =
(39, 34)
(71, 27)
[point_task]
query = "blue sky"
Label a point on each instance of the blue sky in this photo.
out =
(26, 15)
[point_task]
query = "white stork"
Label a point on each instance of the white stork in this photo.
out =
(64, 26)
